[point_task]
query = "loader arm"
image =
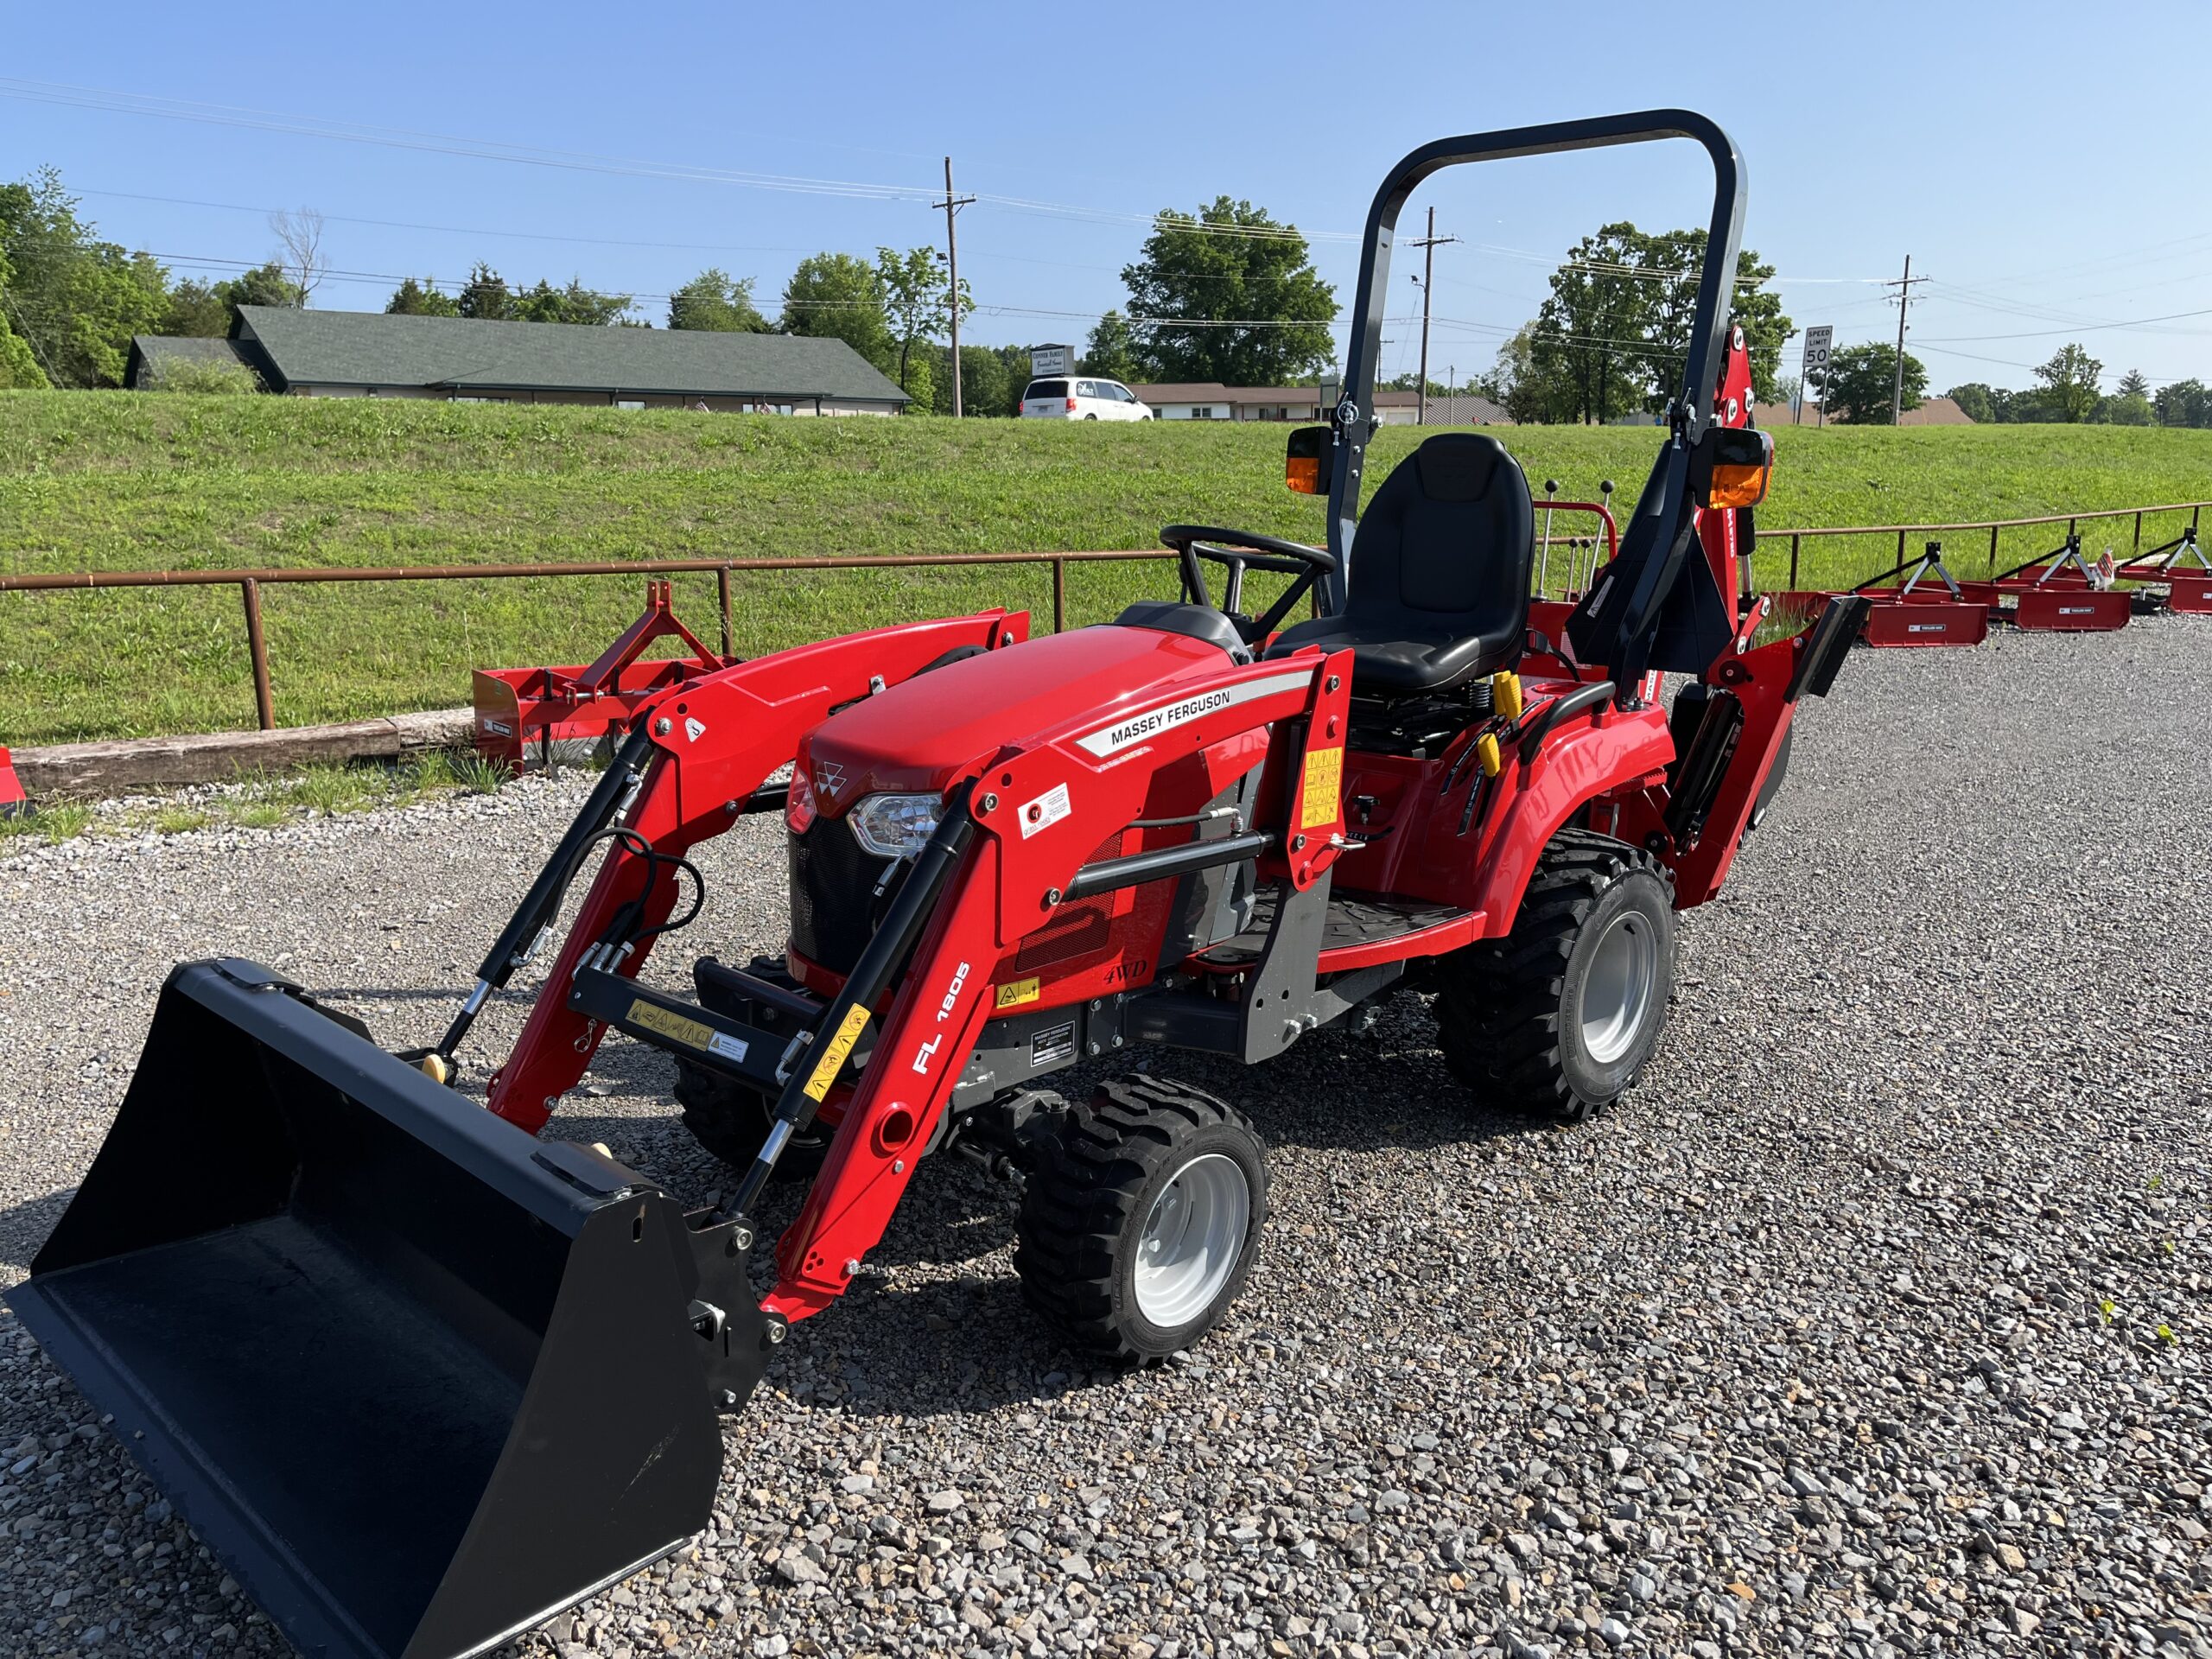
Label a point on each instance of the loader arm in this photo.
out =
(1007, 886)
(715, 741)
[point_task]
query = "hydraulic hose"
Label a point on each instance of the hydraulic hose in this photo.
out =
(543, 902)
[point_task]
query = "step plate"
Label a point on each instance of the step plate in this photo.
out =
(1359, 931)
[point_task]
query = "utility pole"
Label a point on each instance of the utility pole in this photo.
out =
(1903, 286)
(952, 204)
(1427, 244)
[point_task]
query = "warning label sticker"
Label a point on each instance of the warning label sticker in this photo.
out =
(1325, 785)
(670, 1024)
(1017, 994)
(833, 1058)
(1046, 810)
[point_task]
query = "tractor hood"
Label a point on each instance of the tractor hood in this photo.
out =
(918, 736)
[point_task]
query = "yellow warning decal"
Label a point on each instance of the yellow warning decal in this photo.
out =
(1324, 784)
(669, 1023)
(833, 1058)
(1017, 993)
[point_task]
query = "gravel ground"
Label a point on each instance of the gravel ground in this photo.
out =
(1876, 1319)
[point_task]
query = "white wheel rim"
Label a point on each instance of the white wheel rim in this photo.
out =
(1192, 1240)
(1617, 995)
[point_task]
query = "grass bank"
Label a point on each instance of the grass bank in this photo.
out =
(130, 480)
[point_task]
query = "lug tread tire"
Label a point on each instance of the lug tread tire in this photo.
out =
(1080, 1204)
(1499, 1010)
(730, 1120)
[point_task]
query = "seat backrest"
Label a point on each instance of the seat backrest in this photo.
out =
(1447, 543)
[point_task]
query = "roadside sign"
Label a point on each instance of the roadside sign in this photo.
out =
(1817, 342)
(1050, 360)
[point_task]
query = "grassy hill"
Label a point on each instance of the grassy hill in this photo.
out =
(116, 479)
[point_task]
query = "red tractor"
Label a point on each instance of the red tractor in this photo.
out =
(338, 1304)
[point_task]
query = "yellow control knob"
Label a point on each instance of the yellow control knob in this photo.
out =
(1505, 693)
(1486, 752)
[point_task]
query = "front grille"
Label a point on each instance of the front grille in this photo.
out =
(833, 894)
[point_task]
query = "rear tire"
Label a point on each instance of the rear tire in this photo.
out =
(1555, 1021)
(1141, 1218)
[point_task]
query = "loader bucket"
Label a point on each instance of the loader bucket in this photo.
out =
(418, 1379)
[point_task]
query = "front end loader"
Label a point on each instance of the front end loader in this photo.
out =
(421, 1376)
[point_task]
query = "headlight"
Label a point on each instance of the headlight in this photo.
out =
(895, 826)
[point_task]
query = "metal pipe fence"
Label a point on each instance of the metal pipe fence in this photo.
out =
(249, 582)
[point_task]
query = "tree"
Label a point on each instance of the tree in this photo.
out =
(300, 231)
(76, 301)
(207, 310)
(2132, 384)
(1976, 401)
(1858, 383)
(984, 371)
(2185, 403)
(584, 307)
(1590, 334)
(1670, 264)
(836, 296)
(485, 296)
(424, 299)
(1229, 264)
(915, 291)
(1533, 392)
(1111, 350)
(1016, 359)
(19, 369)
(2070, 383)
(264, 285)
(2125, 409)
(716, 301)
(197, 311)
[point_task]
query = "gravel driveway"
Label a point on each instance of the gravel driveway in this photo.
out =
(1876, 1319)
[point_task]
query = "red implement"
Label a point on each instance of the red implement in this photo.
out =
(522, 714)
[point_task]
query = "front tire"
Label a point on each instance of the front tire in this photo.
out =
(731, 1122)
(1141, 1218)
(1556, 1019)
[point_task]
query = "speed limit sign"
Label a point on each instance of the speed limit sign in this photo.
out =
(1817, 341)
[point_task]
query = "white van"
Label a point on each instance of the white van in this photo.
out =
(1082, 400)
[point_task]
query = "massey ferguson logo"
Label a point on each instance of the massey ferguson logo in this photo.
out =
(829, 777)
(1136, 728)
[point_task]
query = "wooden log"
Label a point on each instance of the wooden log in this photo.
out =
(118, 768)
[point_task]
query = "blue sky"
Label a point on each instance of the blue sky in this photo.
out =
(2044, 164)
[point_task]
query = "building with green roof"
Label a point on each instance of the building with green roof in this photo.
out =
(374, 354)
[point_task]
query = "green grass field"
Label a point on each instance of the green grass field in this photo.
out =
(91, 481)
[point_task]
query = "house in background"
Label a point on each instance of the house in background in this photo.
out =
(372, 354)
(1209, 400)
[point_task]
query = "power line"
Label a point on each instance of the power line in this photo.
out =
(584, 162)
(2094, 328)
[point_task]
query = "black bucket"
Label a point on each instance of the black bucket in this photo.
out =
(417, 1379)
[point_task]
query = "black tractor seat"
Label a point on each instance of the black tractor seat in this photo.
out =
(1439, 572)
